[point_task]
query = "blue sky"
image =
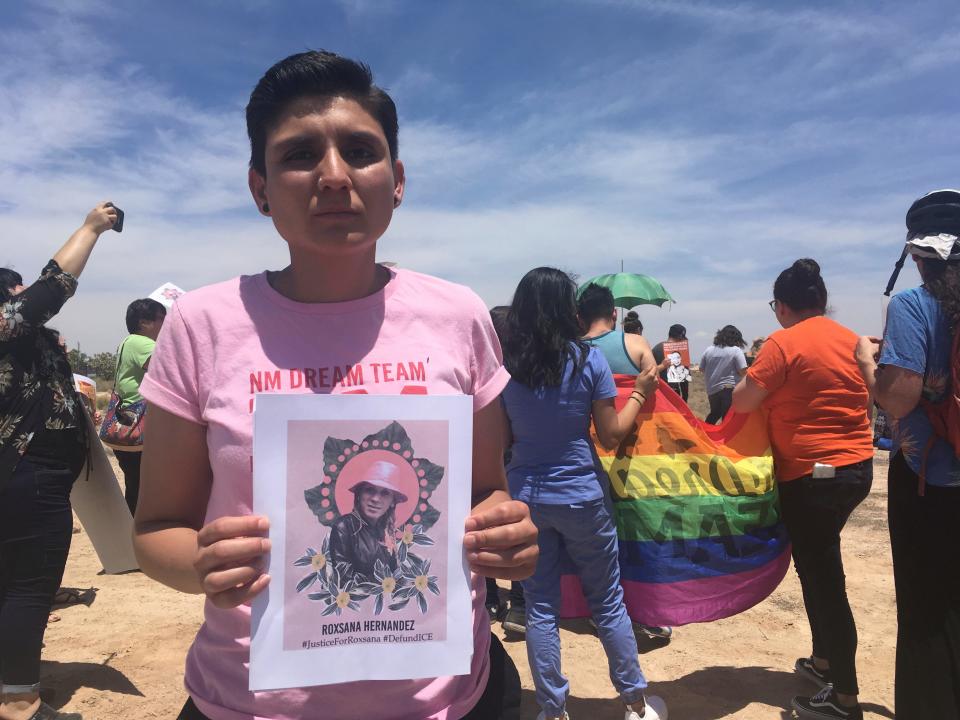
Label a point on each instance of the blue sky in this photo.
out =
(706, 143)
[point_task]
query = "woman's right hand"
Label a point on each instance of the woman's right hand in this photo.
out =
(646, 382)
(230, 559)
(101, 218)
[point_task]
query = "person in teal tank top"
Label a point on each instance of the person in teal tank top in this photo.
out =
(626, 353)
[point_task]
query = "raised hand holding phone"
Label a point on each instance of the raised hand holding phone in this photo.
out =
(118, 223)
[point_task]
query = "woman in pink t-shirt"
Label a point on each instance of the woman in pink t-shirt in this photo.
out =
(324, 168)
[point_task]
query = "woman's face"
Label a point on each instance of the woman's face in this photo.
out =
(330, 184)
(375, 502)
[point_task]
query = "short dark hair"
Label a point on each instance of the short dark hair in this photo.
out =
(677, 332)
(9, 279)
(499, 315)
(318, 73)
(595, 302)
(729, 336)
(800, 287)
(143, 310)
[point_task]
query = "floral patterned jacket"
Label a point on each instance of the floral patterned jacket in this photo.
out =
(36, 382)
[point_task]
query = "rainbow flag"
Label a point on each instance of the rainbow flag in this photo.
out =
(697, 515)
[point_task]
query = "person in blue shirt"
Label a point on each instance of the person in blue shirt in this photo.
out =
(914, 364)
(627, 354)
(559, 384)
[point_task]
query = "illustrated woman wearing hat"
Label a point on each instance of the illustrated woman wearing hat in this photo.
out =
(366, 534)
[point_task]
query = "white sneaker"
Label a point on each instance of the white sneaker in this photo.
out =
(541, 716)
(656, 709)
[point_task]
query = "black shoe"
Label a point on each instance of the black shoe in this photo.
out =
(515, 621)
(45, 712)
(825, 706)
(495, 611)
(806, 668)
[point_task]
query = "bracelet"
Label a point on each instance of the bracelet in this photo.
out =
(639, 402)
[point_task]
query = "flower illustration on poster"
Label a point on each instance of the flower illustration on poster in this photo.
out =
(373, 503)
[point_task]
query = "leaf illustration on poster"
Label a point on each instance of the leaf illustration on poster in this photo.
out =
(386, 461)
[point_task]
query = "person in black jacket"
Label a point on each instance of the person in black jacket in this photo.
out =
(367, 533)
(42, 450)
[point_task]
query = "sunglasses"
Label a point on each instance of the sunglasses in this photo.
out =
(773, 305)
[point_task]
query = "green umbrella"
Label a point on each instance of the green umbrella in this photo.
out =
(631, 289)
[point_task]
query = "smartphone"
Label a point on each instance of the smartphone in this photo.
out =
(118, 225)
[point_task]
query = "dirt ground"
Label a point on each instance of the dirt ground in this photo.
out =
(122, 655)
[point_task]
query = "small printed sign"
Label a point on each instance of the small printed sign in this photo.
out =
(367, 498)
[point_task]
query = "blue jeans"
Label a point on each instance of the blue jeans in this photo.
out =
(587, 532)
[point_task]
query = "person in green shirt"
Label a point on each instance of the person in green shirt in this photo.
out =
(144, 319)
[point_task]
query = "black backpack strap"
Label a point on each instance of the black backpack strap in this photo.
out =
(896, 272)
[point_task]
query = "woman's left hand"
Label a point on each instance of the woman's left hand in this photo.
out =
(502, 542)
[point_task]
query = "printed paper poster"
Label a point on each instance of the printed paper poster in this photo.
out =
(678, 353)
(367, 497)
(166, 294)
(86, 389)
(98, 502)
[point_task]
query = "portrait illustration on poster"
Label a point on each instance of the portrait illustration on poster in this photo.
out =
(375, 499)
(367, 498)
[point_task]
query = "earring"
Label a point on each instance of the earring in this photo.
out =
(266, 207)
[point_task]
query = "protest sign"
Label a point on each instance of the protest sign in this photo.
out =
(367, 498)
(98, 501)
(87, 390)
(678, 353)
(166, 294)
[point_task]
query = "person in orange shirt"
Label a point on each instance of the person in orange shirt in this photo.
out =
(807, 379)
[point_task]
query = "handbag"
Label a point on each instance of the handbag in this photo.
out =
(122, 427)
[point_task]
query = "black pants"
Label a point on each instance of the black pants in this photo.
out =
(516, 593)
(925, 538)
(500, 699)
(720, 403)
(814, 512)
(36, 526)
(681, 388)
(130, 464)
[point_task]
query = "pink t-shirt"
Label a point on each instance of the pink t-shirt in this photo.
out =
(223, 343)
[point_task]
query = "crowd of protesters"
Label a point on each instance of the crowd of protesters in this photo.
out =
(324, 168)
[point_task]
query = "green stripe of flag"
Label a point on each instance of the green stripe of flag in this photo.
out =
(693, 517)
